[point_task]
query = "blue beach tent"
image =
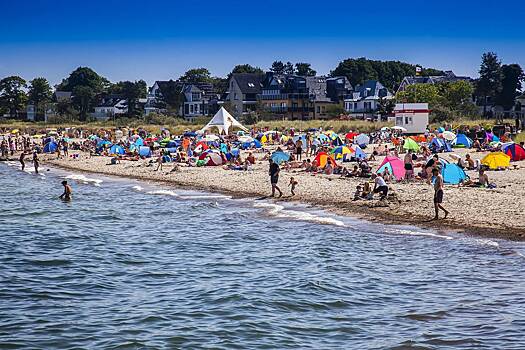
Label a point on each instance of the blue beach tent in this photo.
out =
(144, 151)
(462, 141)
(453, 174)
(50, 147)
(440, 145)
(116, 149)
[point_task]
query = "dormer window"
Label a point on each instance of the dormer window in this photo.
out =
(251, 85)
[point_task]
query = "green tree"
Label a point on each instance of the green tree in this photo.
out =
(420, 93)
(289, 68)
(304, 69)
(455, 94)
(490, 78)
(513, 76)
(85, 84)
(40, 93)
(196, 75)
(277, 67)
(246, 68)
(12, 96)
(334, 110)
(385, 107)
(132, 92)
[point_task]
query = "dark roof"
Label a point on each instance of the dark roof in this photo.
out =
(317, 88)
(375, 88)
(110, 100)
(249, 83)
(191, 88)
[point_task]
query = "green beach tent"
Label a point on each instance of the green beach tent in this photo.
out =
(411, 145)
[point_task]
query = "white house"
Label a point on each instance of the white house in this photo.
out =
(109, 107)
(412, 116)
(365, 99)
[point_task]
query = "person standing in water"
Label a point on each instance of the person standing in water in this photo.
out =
(438, 194)
(22, 156)
(35, 162)
(67, 191)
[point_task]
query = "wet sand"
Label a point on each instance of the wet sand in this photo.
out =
(489, 212)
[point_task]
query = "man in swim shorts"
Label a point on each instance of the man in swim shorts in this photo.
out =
(67, 191)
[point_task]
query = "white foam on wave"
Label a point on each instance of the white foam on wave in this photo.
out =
(486, 242)
(280, 212)
(138, 188)
(84, 179)
(163, 192)
(420, 233)
(205, 196)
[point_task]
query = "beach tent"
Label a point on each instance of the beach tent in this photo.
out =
(341, 151)
(300, 137)
(50, 147)
(350, 136)
(223, 121)
(337, 141)
(453, 174)
(496, 160)
(411, 145)
(279, 157)
(394, 165)
(322, 158)
(144, 151)
(358, 152)
(323, 138)
(245, 139)
(514, 151)
(462, 140)
(116, 149)
(201, 146)
(440, 145)
(213, 159)
(362, 140)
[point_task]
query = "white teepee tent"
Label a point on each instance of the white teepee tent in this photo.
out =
(223, 121)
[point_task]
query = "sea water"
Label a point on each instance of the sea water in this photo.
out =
(137, 265)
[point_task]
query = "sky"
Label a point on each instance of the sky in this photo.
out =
(160, 40)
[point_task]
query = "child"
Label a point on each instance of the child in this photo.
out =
(358, 193)
(293, 183)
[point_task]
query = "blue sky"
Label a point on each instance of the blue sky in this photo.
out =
(155, 40)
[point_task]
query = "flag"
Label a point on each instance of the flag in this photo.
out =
(418, 70)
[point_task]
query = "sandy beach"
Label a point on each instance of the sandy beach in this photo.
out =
(490, 212)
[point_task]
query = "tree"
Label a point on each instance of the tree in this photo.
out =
(513, 76)
(39, 92)
(277, 67)
(85, 84)
(335, 110)
(246, 68)
(455, 94)
(304, 70)
(424, 93)
(289, 68)
(12, 96)
(196, 75)
(132, 92)
(385, 107)
(490, 77)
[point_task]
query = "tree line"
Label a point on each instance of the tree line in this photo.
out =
(498, 84)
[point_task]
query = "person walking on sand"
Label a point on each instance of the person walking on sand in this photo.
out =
(292, 185)
(67, 191)
(274, 177)
(35, 162)
(159, 162)
(438, 194)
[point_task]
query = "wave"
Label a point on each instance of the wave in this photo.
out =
(84, 179)
(138, 188)
(205, 196)
(163, 192)
(420, 233)
(279, 211)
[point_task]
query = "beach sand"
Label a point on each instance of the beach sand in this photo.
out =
(490, 212)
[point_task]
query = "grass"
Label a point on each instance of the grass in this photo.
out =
(178, 126)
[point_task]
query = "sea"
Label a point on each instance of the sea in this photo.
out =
(137, 265)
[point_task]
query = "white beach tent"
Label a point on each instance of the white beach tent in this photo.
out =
(223, 121)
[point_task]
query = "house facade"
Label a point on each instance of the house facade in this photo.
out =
(449, 76)
(110, 106)
(364, 100)
(243, 89)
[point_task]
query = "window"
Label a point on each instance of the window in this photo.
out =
(399, 120)
(408, 120)
(191, 108)
(251, 85)
(355, 105)
(318, 109)
(235, 96)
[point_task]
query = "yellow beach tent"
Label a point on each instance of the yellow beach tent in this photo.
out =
(496, 160)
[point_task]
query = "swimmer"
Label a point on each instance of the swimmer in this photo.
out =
(67, 191)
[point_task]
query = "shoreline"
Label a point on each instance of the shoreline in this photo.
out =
(360, 210)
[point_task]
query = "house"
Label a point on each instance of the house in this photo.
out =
(200, 100)
(412, 116)
(337, 88)
(364, 100)
(449, 76)
(110, 106)
(243, 89)
(160, 88)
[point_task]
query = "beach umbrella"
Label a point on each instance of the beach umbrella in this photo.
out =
(245, 139)
(362, 140)
(385, 128)
(358, 152)
(279, 157)
(15, 131)
(399, 128)
(449, 135)
(350, 136)
(323, 138)
(441, 129)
